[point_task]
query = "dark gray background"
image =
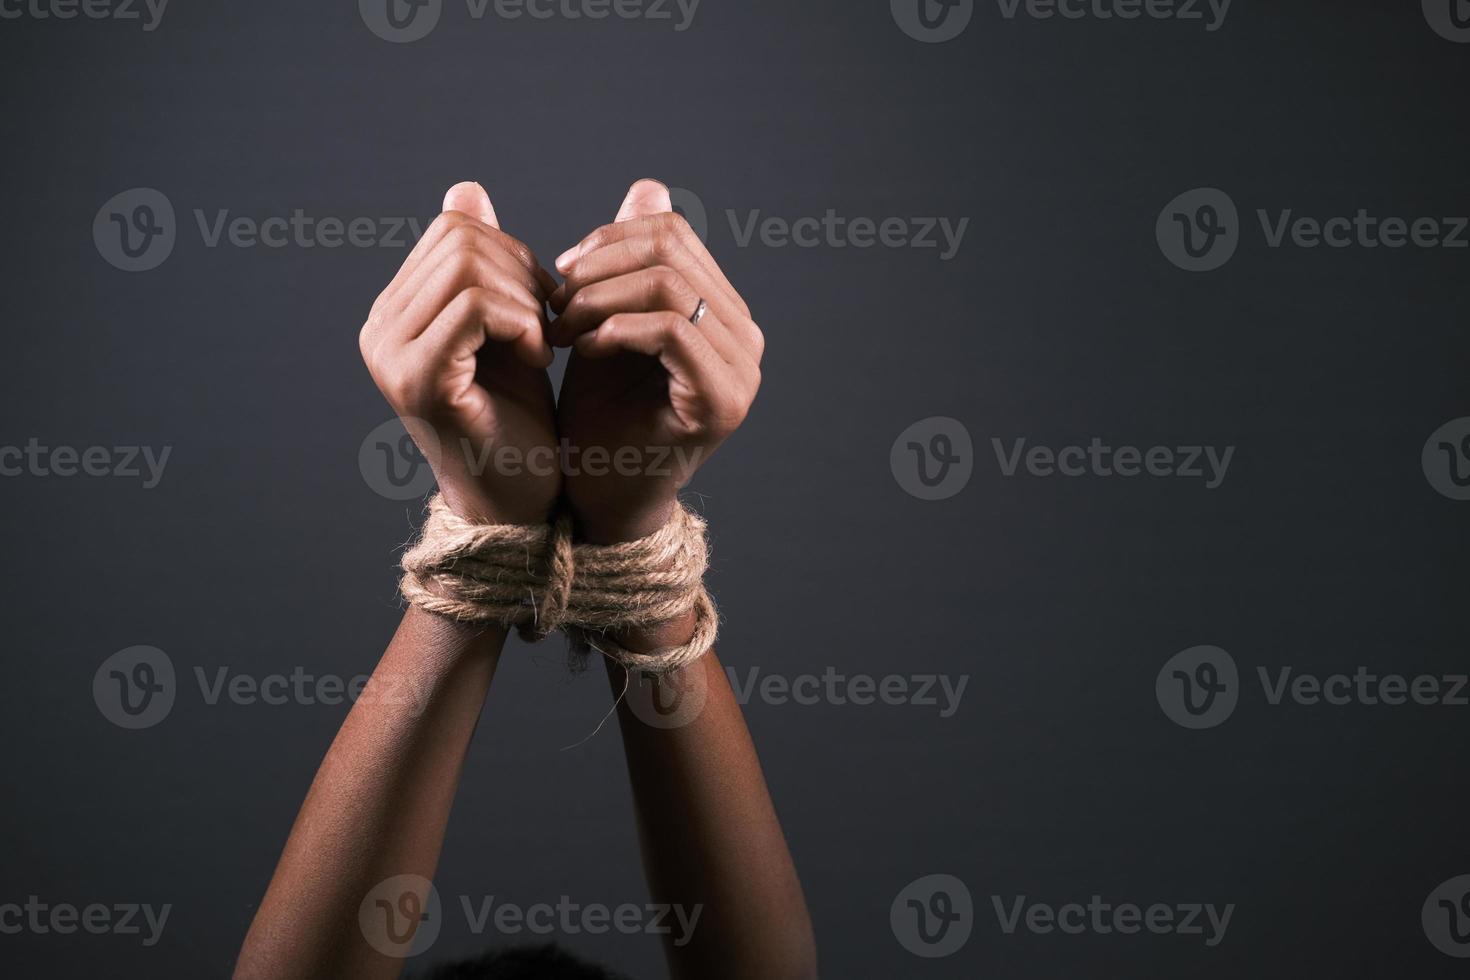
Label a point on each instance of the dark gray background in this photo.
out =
(264, 550)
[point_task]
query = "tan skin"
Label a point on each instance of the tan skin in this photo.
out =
(459, 343)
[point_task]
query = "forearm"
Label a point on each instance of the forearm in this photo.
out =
(379, 804)
(710, 836)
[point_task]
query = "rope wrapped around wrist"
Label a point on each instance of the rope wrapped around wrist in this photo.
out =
(535, 579)
(643, 583)
(508, 574)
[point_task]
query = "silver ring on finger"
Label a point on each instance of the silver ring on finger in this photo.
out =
(699, 312)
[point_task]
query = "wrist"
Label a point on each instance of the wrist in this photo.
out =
(479, 508)
(600, 524)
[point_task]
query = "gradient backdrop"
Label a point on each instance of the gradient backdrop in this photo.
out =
(1334, 544)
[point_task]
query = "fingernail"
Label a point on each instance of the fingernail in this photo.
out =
(564, 260)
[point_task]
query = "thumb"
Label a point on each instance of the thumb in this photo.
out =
(471, 198)
(645, 197)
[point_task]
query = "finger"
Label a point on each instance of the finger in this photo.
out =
(472, 199)
(651, 226)
(641, 291)
(467, 200)
(431, 237)
(629, 254)
(460, 270)
(645, 197)
(470, 245)
(477, 316)
(456, 229)
(700, 382)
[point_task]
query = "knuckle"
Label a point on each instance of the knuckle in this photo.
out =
(463, 264)
(403, 389)
(578, 304)
(365, 343)
(446, 222)
(666, 282)
(675, 223)
(663, 245)
(463, 237)
(476, 298)
(678, 328)
(527, 321)
(517, 250)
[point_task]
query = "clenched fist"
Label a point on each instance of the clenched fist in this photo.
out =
(458, 345)
(642, 376)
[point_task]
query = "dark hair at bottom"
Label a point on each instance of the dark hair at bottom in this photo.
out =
(548, 962)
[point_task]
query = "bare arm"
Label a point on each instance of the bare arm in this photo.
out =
(377, 808)
(711, 838)
(456, 344)
(643, 374)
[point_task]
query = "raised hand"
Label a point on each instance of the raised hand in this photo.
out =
(457, 344)
(642, 376)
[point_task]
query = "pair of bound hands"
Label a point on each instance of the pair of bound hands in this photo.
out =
(460, 341)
